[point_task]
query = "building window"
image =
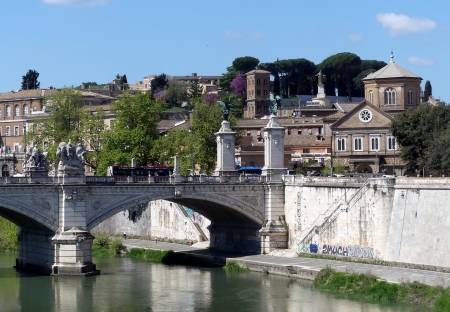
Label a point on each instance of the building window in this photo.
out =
(8, 111)
(410, 97)
(371, 96)
(1, 113)
(16, 110)
(265, 82)
(258, 82)
(375, 143)
(284, 112)
(340, 142)
(7, 131)
(306, 151)
(16, 131)
(299, 132)
(358, 143)
(389, 96)
(25, 109)
(391, 144)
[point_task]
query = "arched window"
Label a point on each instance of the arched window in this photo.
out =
(8, 110)
(1, 113)
(16, 110)
(389, 96)
(371, 96)
(410, 97)
(25, 109)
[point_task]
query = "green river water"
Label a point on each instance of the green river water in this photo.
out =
(132, 285)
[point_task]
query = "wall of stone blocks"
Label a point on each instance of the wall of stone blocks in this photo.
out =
(420, 224)
(159, 218)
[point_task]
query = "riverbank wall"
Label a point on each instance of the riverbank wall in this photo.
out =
(399, 219)
(157, 219)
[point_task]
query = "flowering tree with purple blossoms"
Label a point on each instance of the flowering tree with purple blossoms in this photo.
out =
(239, 85)
(210, 98)
(161, 95)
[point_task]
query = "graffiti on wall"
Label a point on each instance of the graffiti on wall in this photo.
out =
(299, 211)
(195, 217)
(339, 250)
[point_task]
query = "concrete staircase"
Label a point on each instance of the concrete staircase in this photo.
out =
(332, 214)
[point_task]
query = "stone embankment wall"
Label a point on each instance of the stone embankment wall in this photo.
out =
(420, 225)
(403, 220)
(341, 216)
(158, 218)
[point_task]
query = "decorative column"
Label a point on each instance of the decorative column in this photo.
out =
(225, 150)
(274, 231)
(72, 242)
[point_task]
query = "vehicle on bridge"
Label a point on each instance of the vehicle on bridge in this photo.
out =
(140, 171)
(250, 170)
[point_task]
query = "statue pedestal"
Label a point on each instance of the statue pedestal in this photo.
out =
(225, 150)
(35, 172)
(321, 96)
(73, 253)
(71, 175)
(274, 233)
(273, 151)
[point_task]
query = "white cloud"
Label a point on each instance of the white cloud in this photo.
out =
(354, 37)
(399, 24)
(420, 61)
(240, 35)
(77, 2)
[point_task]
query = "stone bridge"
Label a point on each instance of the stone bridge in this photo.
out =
(56, 213)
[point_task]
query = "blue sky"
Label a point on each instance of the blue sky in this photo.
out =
(74, 41)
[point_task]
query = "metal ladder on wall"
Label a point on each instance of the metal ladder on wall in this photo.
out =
(318, 229)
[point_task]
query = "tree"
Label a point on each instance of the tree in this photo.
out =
(274, 70)
(367, 67)
(342, 67)
(197, 145)
(239, 85)
(210, 98)
(225, 81)
(161, 82)
(422, 134)
(134, 131)
(61, 123)
(428, 91)
(195, 91)
(175, 96)
(93, 130)
(30, 80)
(245, 64)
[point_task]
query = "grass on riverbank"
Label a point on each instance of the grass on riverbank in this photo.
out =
(372, 289)
(8, 237)
(233, 267)
(104, 245)
(168, 257)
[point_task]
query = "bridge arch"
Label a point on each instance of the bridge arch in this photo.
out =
(27, 216)
(215, 207)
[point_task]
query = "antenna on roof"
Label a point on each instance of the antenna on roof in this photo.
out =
(392, 57)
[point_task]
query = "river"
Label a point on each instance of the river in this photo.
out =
(132, 285)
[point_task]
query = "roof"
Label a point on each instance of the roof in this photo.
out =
(26, 94)
(258, 71)
(346, 107)
(286, 122)
(392, 70)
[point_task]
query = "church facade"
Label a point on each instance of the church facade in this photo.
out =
(361, 140)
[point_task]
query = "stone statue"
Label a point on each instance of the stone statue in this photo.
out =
(225, 109)
(275, 101)
(35, 159)
(320, 75)
(70, 157)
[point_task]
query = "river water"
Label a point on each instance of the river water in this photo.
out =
(132, 285)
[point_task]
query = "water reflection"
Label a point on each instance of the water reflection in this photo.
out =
(127, 285)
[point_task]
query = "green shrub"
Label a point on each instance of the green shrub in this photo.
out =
(101, 240)
(8, 237)
(116, 245)
(233, 267)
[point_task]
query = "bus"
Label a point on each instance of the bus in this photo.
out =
(250, 170)
(140, 171)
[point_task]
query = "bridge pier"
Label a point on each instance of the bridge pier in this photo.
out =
(73, 253)
(232, 236)
(35, 251)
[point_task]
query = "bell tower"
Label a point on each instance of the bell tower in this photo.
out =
(258, 91)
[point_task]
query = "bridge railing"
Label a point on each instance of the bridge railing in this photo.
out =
(171, 179)
(26, 180)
